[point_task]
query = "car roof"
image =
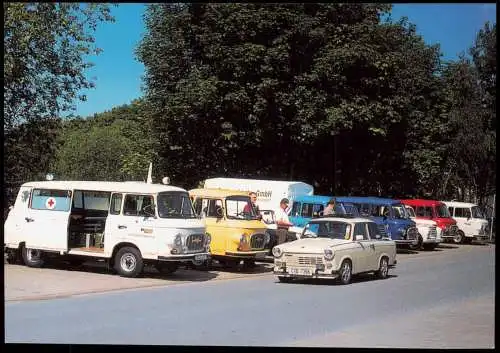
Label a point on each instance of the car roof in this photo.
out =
(458, 204)
(372, 200)
(214, 192)
(113, 186)
(421, 202)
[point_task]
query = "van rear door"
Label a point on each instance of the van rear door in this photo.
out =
(46, 223)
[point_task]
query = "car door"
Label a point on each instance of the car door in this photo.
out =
(377, 243)
(47, 219)
(464, 220)
(215, 224)
(116, 227)
(365, 251)
(135, 225)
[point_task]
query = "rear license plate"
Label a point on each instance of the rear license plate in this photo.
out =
(201, 257)
(300, 271)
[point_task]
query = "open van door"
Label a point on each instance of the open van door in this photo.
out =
(45, 225)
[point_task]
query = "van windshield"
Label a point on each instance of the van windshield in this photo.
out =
(476, 212)
(442, 211)
(240, 207)
(174, 204)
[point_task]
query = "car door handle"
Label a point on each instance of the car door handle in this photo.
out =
(29, 219)
(121, 227)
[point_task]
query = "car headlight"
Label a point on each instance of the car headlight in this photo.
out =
(329, 254)
(277, 252)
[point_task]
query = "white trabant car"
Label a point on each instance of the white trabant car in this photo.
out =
(429, 238)
(471, 222)
(335, 247)
(127, 224)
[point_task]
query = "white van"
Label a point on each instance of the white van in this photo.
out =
(472, 223)
(129, 224)
(269, 192)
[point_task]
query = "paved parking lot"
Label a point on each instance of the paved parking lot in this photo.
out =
(60, 280)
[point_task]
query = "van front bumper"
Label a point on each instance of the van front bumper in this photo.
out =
(259, 254)
(202, 256)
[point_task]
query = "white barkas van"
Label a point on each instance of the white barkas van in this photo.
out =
(470, 220)
(429, 237)
(128, 224)
(269, 193)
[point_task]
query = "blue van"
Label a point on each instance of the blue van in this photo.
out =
(307, 207)
(388, 214)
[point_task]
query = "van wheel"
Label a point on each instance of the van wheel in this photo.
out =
(167, 268)
(33, 257)
(417, 246)
(459, 238)
(128, 262)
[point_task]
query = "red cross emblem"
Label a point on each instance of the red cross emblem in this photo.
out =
(50, 203)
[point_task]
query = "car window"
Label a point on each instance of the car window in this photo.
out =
(462, 212)
(332, 230)
(360, 229)
(213, 208)
(364, 209)
(374, 231)
(116, 204)
(422, 211)
(295, 209)
(138, 205)
(411, 211)
(51, 200)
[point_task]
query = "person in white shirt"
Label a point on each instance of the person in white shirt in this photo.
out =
(282, 221)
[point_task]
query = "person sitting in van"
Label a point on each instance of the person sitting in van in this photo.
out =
(330, 208)
(252, 205)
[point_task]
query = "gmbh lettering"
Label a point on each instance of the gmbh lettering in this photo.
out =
(264, 194)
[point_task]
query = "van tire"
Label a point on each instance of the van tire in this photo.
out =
(417, 246)
(32, 257)
(459, 238)
(128, 262)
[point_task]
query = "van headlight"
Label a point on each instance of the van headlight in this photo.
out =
(277, 252)
(402, 231)
(267, 238)
(329, 254)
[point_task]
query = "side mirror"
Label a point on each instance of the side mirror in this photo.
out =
(149, 210)
(359, 237)
(219, 213)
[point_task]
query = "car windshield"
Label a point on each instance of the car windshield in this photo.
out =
(410, 212)
(476, 212)
(175, 205)
(399, 212)
(332, 230)
(240, 207)
(442, 211)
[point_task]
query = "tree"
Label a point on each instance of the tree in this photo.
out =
(326, 93)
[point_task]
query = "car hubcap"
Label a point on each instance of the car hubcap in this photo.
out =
(128, 262)
(458, 238)
(33, 255)
(346, 272)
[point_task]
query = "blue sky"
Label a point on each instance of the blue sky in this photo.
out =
(118, 74)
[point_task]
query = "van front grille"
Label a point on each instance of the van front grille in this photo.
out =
(195, 242)
(257, 241)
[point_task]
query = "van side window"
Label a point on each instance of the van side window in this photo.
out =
(450, 209)
(306, 210)
(197, 206)
(134, 205)
(213, 206)
(295, 209)
(51, 200)
(116, 204)
(462, 212)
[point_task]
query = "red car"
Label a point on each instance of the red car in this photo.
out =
(438, 212)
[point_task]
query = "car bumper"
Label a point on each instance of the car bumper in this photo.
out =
(186, 257)
(247, 254)
(401, 242)
(432, 241)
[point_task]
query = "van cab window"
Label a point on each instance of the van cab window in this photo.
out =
(442, 211)
(235, 208)
(52, 200)
(116, 204)
(462, 212)
(295, 209)
(476, 212)
(310, 210)
(424, 211)
(136, 205)
(175, 205)
(399, 211)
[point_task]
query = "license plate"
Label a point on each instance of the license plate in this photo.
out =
(300, 271)
(201, 257)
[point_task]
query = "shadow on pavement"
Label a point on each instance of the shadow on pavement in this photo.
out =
(361, 278)
(406, 251)
(259, 268)
(182, 274)
(447, 246)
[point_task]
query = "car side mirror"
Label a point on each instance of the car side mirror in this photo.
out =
(359, 237)
(219, 213)
(149, 210)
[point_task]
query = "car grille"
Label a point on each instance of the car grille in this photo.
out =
(432, 233)
(257, 241)
(195, 242)
(303, 260)
(411, 233)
